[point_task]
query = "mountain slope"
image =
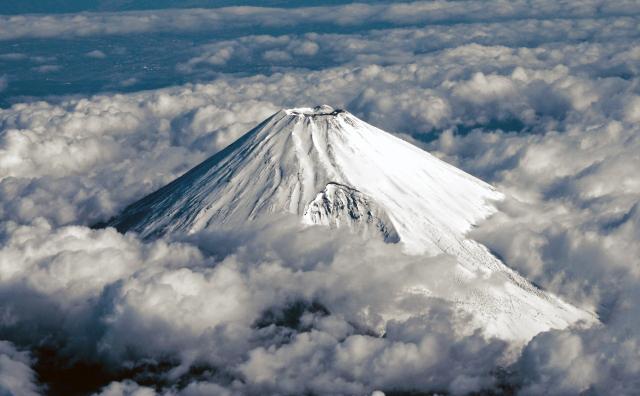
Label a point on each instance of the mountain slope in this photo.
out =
(285, 162)
(332, 169)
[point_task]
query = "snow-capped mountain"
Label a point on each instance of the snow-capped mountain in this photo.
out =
(332, 169)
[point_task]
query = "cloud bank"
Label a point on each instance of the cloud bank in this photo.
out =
(349, 15)
(542, 101)
(241, 310)
(16, 375)
(286, 39)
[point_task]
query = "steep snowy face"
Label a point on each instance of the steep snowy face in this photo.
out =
(341, 206)
(332, 169)
(291, 161)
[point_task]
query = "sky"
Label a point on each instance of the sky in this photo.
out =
(103, 102)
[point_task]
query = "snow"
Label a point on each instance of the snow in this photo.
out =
(331, 168)
(341, 206)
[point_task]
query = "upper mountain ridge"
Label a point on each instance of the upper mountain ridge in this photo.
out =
(286, 161)
(322, 110)
(333, 169)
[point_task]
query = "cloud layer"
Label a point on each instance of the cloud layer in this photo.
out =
(16, 375)
(349, 15)
(50, 56)
(246, 308)
(541, 100)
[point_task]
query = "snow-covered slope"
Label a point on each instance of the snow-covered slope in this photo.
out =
(333, 169)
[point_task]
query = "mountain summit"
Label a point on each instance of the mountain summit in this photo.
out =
(333, 169)
(330, 168)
